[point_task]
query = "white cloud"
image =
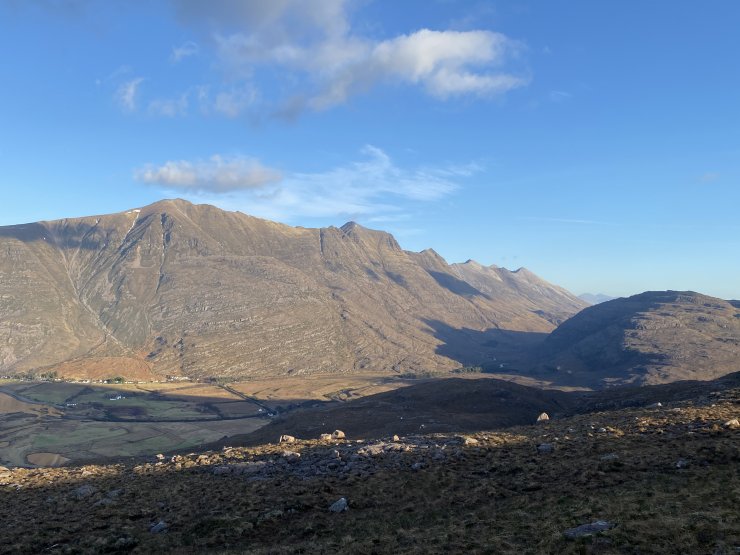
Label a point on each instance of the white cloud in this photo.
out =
(232, 103)
(169, 107)
(371, 187)
(311, 47)
(218, 174)
(126, 94)
(183, 51)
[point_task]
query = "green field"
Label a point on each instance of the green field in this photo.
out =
(83, 422)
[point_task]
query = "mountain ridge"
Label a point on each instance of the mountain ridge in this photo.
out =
(174, 288)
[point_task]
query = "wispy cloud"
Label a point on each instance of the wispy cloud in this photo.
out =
(218, 174)
(373, 186)
(312, 45)
(183, 51)
(169, 107)
(560, 96)
(235, 101)
(126, 93)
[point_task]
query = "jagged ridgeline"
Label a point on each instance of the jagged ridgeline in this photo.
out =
(181, 289)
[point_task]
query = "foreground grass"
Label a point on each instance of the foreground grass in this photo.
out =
(666, 478)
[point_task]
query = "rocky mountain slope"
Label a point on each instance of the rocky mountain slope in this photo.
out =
(653, 337)
(657, 479)
(179, 289)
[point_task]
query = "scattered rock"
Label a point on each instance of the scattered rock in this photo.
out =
(125, 542)
(245, 468)
(104, 502)
(340, 505)
(655, 405)
(249, 467)
(158, 527)
(544, 448)
(221, 470)
(396, 438)
(160, 457)
(84, 491)
(470, 441)
(291, 456)
(544, 417)
(609, 457)
(325, 437)
(417, 466)
(682, 463)
(286, 439)
(588, 529)
(733, 424)
(372, 450)
(337, 434)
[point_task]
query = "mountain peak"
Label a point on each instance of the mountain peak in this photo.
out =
(351, 226)
(177, 205)
(473, 263)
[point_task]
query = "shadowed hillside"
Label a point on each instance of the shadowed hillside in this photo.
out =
(653, 337)
(469, 405)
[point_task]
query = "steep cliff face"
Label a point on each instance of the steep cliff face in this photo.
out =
(175, 288)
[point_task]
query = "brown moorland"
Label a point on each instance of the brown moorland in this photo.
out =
(660, 479)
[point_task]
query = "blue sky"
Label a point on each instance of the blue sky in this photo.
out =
(595, 143)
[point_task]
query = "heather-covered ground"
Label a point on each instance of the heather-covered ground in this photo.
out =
(664, 479)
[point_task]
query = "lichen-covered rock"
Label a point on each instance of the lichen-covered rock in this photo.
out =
(545, 448)
(588, 529)
(339, 506)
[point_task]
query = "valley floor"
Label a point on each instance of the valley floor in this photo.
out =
(664, 480)
(51, 423)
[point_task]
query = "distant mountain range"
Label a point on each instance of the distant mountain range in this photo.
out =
(191, 290)
(595, 298)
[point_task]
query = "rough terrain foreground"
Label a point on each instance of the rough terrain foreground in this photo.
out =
(641, 480)
(650, 338)
(179, 289)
